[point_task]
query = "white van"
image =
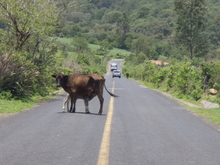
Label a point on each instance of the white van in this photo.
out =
(113, 66)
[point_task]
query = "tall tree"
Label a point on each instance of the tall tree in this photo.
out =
(122, 30)
(141, 45)
(25, 47)
(191, 20)
(27, 18)
(80, 44)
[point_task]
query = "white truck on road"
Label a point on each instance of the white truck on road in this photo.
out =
(113, 66)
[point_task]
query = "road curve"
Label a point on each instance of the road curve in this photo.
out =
(147, 128)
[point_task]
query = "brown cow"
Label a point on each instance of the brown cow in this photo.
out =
(83, 86)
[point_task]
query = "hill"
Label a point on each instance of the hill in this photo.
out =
(127, 23)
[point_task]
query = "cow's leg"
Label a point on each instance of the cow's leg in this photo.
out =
(101, 99)
(86, 102)
(66, 101)
(73, 103)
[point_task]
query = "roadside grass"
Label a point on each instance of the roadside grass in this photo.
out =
(14, 106)
(212, 114)
(211, 98)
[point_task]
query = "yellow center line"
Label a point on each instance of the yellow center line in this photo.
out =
(104, 149)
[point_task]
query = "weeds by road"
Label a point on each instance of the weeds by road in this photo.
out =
(14, 106)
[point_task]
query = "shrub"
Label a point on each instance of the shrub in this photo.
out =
(182, 79)
(5, 95)
(16, 75)
(160, 76)
(187, 80)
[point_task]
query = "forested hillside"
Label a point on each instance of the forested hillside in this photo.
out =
(146, 27)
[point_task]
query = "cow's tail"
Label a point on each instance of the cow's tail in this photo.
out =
(113, 95)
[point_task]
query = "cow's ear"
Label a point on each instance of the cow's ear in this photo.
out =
(54, 75)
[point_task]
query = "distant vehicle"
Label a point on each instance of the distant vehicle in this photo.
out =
(116, 73)
(113, 66)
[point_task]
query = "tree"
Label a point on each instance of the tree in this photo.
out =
(80, 44)
(191, 20)
(122, 30)
(112, 16)
(213, 28)
(105, 46)
(143, 11)
(25, 46)
(141, 45)
(25, 19)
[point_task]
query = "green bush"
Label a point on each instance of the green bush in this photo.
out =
(160, 76)
(5, 95)
(181, 78)
(170, 77)
(187, 81)
(17, 75)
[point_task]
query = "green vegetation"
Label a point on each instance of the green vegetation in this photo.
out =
(180, 78)
(171, 29)
(212, 115)
(192, 17)
(9, 106)
(6, 106)
(93, 47)
(27, 55)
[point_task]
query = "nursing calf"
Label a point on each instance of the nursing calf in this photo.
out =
(82, 86)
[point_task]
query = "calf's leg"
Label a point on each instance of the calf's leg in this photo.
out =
(66, 101)
(86, 102)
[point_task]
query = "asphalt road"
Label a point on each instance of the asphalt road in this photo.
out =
(143, 128)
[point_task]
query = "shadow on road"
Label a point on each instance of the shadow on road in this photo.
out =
(81, 113)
